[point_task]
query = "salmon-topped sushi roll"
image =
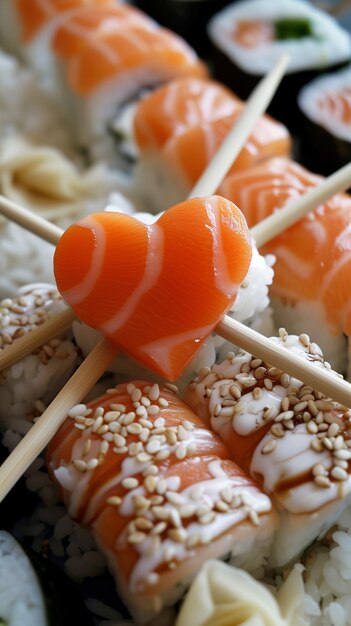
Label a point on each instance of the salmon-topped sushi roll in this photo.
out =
(159, 492)
(113, 68)
(178, 163)
(293, 440)
(27, 27)
(177, 106)
(312, 282)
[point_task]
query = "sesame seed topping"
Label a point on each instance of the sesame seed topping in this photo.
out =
(130, 483)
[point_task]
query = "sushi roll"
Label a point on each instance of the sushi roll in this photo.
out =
(248, 37)
(312, 280)
(28, 386)
(31, 588)
(177, 141)
(181, 15)
(293, 440)
(126, 62)
(326, 107)
(27, 26)
(159, 492)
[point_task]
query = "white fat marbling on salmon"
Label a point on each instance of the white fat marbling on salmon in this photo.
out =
(82, 290)
(223, 281)
(161, 349)
(153, 269)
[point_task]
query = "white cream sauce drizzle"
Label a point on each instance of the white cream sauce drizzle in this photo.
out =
(211, 488)
(153, 269)
(292, 455)
(82, 290)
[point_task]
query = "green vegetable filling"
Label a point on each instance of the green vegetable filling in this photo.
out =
(293, 28)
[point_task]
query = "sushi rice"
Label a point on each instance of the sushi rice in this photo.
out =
(327, 563)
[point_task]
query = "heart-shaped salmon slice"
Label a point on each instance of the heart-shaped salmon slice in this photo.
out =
(157, 291)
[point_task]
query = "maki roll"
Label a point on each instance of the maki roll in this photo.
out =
(31, 590)
(250, 36)
(16, 573)
(105, 68)
(326, 107)
(290, 438)
(159, 492)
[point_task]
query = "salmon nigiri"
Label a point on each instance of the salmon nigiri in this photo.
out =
(159, 492)
(157, 291)
(293, 440)
(312, 285)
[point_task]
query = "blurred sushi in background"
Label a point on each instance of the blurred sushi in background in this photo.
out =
(248, 37)
(312, 278)
(326, 107)
(31, 588)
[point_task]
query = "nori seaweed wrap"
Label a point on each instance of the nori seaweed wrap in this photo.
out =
(325, 104)
(250, 36)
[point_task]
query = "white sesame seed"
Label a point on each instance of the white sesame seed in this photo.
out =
(151, 470)
(130, 482)
(343, 454)
(145, 401)
(163, 402)
(178, 535)
(80, 465)
(114, 500)
(181, 451)
(339, 474)
(137, 537)
(92, 464)
(130, 388)
(208, 518)
(122, 450)
(159, 528)
(318, 470)
(143, 457)
(150, 483)
(154, 392)
(312, 427)
(153, 446)
(162, 455)
(162, 486)
(119, 441)
(98, 423)
(269, 446)
(322, 481)
(76, 410)
(118, 407)
(111, 416)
